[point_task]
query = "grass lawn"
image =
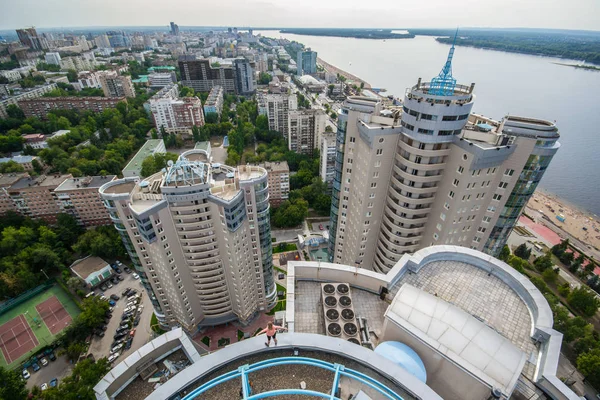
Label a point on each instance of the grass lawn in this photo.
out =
(43, 334)
(283, 247)
(223, 342)
(206, 341)
(240, 335)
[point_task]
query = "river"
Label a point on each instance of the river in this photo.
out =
(506, 83)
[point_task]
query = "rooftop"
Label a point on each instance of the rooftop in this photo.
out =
(40, 181)
(87, 266)
(88, 182)
(18, 159)
(277, 166)
(11, 178)
(147, 150)
(120, 188)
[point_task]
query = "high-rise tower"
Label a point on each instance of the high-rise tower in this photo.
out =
(432, 173)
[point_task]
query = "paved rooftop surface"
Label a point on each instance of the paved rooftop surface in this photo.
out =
(86, 182)
(309, 312)
(147, 149)
(485, 297)
(125, 187)
(89, 265)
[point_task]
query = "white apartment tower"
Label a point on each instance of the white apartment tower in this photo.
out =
(305, 128)
(277, 107)
(431, 174)
(199, 235)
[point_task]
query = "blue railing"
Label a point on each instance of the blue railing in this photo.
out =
(338, 369)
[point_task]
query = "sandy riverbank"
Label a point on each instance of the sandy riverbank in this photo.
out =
(575, 219)
(335, 70)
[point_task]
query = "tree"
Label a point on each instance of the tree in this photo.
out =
(328, 128)
(544, 262)
(264, 78)
(154, 163)
(583, 300)
(72, 75)
(186, 92)
(523, 251)
(211, 118)
(13, 111)
(589, 365)
(550, 276)
(74, 283)
(12, 385)
(504, 253)
(80, 384)
(11, 166)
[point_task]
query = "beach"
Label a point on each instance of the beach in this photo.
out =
(579, 224)
(335, 70)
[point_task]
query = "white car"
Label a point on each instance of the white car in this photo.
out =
(109, 285)
(44, 386)
(113, 357)
(116, 348)
(26, 374)
(128, 309)
(119, 263)
(44, 361)
(135, 276)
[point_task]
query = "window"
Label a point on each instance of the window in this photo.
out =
(486, 219)
(418, 159)
(436, 236)
(425, 131)
(491, 209)
(497, 197)
(450, 118)
(377, 163)
(460, 170)
(379, 152)
(429, 117)
(373, 184)
(376, 174)
(447, 205)
(380, 140)
(369, 213)
(352, 140)
(481, 230)
(451, 194)
(456, 182)
(477, 239)
(372, 195)
(509, 172)
(370, 205)
(438, 227)
(443, 216)
(503, 185)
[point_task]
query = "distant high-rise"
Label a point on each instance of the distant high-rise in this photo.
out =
(305, 128)
(277, 108)
(115, 85)
(306, 62)
(243, 76)
(437, 174)
(201, 76)
(52, 58)
(174, 29)
(29, 37)
(175, 114)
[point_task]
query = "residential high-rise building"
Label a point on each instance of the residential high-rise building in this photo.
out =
(52, 58)
(174, 29)
(199, 235)
(201, 76)
(159, 80)
(327, 154)
(279, 181)
(175, 114)
(243, 77)
(437, 174)
(277, 108)
(305, 128)
(306, 62)
(115, 85)
(102, 41)
(29, 37)
(41, 106)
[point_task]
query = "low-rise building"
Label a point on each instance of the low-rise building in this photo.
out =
(11, 75)
(40, 107)
(92, 271)
(151, 147)
(6, 181)
(34, 197)
(36, 140)
(115, 85)
(159, 80)
(278, 177)
(25, 161)
(80, 198)
(214, 102)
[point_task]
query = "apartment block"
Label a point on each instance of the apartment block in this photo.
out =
(306, 62)
(214, 102)
(32, 93)
(160, 80)
(77, 63)
(175, 114)
(115, 85)
(6, 181)
(327, 153)
(243, 77)
(199, 75)
(278, 174)
(89, 79)
(151, 147)
(24, 161)
(34, 196)
(52, 58)
(277, 108)
(305, 128)
(199, 236)
(431, 174)
(40, 107)
(80, 198)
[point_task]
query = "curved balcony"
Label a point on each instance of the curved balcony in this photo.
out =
(206, 259)
(211, 312)
(397, 221)
(397, 241)
(399, 209)
(413, 189)
(417, 178)
(194, 248)
(207, 295)
(194, 233)
(425, 153)
(420, 167)
(410, 200)
(215, 305)
(194, 216)
(418, 217)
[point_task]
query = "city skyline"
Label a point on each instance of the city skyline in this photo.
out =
(384, 13)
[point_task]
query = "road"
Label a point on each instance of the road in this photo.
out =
(286, 235)
(100, 347)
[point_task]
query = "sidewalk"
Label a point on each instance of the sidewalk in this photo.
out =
(230, 332)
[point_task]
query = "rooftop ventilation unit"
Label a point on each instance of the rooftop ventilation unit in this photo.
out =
(340, 320)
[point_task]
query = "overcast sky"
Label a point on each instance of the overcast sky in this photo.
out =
(565, 14)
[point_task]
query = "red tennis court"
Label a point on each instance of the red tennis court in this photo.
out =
(54, 315)
(16, 338)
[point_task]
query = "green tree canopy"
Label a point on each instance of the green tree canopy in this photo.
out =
(154, 163)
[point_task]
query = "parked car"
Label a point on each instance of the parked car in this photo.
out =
(118, 270)
(126, 292)
(119, 263)
(103, 327)
(120, 278)
(113, 357)
(126, 269)
(114, 280)
(119, 336)
(124, 325)
(52, 356)
(128, 309)
(122, 330)
(44, 361)
(103, 287)
(125, 316)
(114, 297)
(128, 343)
(103, 297)
(136, 321)
(116, 348)
(26, 374)
(109, 285)
(113, 266)
(54, 382)
(135, 276)
(112, 303)
(44, 386)
(35, 367)
(100, 333)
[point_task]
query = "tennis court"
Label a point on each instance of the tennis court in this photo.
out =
(33, 324)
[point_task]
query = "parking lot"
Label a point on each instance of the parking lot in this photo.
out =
(101, 346)
(58, 368)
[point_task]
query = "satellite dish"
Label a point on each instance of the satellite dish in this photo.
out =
(170, 163)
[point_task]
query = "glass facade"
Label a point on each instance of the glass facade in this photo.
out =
(337, 181)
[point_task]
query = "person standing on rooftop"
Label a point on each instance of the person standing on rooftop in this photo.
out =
(271, 331)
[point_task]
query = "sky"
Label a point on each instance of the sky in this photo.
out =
(558, 14)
